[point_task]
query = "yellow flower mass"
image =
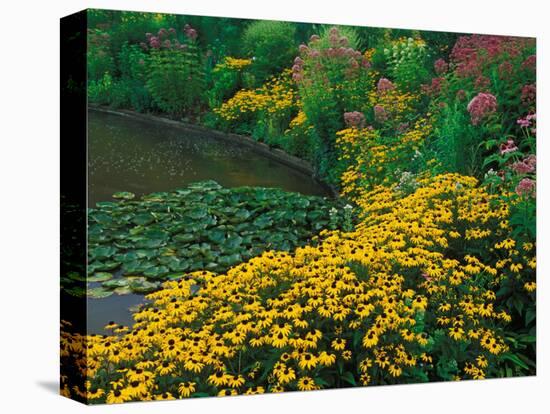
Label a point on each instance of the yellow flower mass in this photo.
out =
(359, 295)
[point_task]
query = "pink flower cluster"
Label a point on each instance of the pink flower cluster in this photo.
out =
(482, 83)
(530, 63)
(471, 54)
(526, 187)
(190, 32)
(384, 85)
(461, 94)
(526, 166)
(167, 39)
(441, 67)
(354, 119)
(482, 105)
(380, 113)
(508, 146)
(527, 121)
(434, 88)
(338, 52)
(529, 94)
(505, 69)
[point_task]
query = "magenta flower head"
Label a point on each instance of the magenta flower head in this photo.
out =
(314, 53)
(440, 66)
(333, 31)
(353, 63)
(529, 94)
(505, 69)
(172, 31)
(297, 76)
(154, 42)
(482, 83)
(303, 49)
(508, 146)
(314, 38)
(481, 106)
(531, 160)
(162, 33)
(526, 166)
(192, 34)
(530, 63)
(380, 113)
(354, 119)
(384, 85)
(526, 187)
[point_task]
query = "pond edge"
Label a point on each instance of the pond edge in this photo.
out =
(275, 154)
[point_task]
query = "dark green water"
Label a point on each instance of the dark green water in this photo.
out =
(127, 154)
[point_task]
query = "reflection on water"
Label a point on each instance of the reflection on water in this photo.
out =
(140, 156)
(127, 154)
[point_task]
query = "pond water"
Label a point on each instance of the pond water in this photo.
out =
(141, 156)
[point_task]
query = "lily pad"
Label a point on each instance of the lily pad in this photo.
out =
(100, 277)
(99, 293)
(124, 195)
(202, 226)
(115, 283)
(123, 290)
(143, 286)
(102, 252)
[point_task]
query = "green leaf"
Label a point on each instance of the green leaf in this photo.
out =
(103, 252)
(98, 293)
(530, 316)
(198, 213)
(143, 218)
(115, 283)
(143, 286)
(515, 359)
(100, 277)
(124, 195)
(349, 378)
(216, 236)
(262, 222)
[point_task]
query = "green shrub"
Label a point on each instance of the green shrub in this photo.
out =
(100, 91)
(99, 57)
(406, 59)
(272, 46)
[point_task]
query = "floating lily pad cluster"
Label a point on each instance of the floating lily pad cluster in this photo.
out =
(134, 245)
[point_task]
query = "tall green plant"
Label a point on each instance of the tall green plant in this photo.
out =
(333, 78)
(175, 72)
(271, 45)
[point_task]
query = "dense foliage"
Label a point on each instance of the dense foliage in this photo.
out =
(431, 137)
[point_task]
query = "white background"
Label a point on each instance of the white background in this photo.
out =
(29, 207)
